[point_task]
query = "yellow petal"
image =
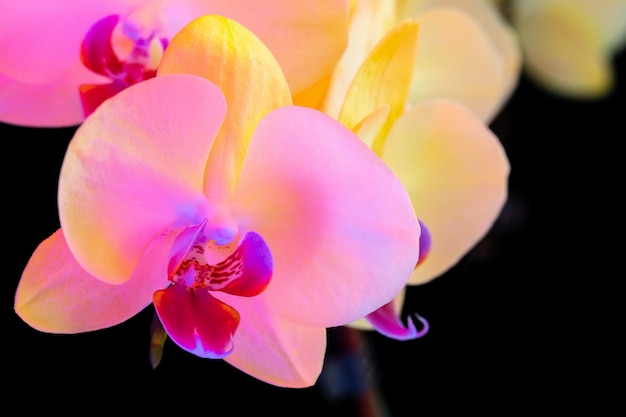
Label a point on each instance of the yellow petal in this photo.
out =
(455, 171)
(383, 79)
(369, 23)
(564, 51)
(229, 55)
(456, 60)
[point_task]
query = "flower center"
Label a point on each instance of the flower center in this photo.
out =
(126, 51)
(196, 271)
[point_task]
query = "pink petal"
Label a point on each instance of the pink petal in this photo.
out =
(340, 225)
(387, 322)
(135, 168)
(273, 349)
(40, 43)
(53, 104)
(56, 295)
(197, 321)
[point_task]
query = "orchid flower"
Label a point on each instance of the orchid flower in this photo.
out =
(251, 224)
(62, 58)
(568, 45)
(453, 167)
(467, 53)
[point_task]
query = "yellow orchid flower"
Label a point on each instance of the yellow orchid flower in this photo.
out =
(452, 166)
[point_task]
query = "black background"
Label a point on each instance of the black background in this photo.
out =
(514, 325)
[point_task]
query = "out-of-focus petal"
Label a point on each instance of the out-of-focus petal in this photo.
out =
(93, 95)
(383, 79)
(456, 172)
(49, 33)
(196, 321)
(135, 167)
(292, 354)
(369, 22)
(564, 51)
(53, 104)
(456, 60)
(233, 58)
(342, 232)
(56, 295)
(284, 26)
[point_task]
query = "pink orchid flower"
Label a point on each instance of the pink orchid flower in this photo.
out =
(453, 167)
(250, 223)
(61, 59)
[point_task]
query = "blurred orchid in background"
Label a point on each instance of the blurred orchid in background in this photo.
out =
(51, 50)
(453, 167)
(569, 45)
(241, 219)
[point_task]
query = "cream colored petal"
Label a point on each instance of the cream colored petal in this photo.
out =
(457, 60)
(455, 171)
(563, 50)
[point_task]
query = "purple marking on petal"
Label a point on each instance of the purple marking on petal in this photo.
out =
(388, 323)
(96, 52)
(425, 242)
(197, 321)
(257, 266)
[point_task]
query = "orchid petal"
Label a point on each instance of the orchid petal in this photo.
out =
(456, 172)
(492, 21)
(370, 21)
(383, 79)
(342, 232)
(233, 58)
(196, 321)
(397, 302)
(51, 32)
(456, 60)
(563, 50)
(292, 354)
(54, 104)
(284, 26)
(387, 322)
(122, 183)
(54, 282)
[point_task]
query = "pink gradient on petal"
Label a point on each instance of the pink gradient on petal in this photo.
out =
(121, 183)
(302, 187)
(57, 295)
(196, 321)
(386, 321)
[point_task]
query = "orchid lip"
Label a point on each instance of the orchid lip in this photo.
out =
(190, 314)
